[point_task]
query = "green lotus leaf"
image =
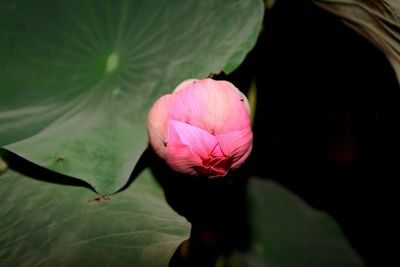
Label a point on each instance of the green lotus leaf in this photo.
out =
(49, 224)
(77, 78)
(288, 232)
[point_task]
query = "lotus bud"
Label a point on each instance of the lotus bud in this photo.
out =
(202, 128)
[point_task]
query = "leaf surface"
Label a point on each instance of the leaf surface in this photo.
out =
(48, 224)
(77, 78)
(288, 232)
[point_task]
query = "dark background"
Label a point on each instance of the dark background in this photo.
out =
(326, 122)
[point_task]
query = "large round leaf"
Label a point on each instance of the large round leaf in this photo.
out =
(77, 78)
(46, 224)
(287, 232)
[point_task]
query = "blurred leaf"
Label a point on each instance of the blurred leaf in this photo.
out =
(3, 166)
(46, 224)
(252, 97)
(377, 20)
(269, 3)
(286, 232)
(78, 77)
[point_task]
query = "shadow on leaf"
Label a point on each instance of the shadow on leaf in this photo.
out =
(32, 170)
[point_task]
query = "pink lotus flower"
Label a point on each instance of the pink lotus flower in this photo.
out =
(203, 127)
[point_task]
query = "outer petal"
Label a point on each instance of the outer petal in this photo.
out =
(181, 159)
(212, 106)
(198, 140)
(192, 150)
(237, 145)
(238, 92)
(185, 84)
(187, 147)
(157, 124)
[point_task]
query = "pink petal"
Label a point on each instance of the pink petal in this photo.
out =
(243, 158)
(237, 145)
(198, 140)
(181, 159)
(238, 92)
(192, 150)
(210, 105)
(157, 124)
(217, 151)
(217, 165)
(185, 84)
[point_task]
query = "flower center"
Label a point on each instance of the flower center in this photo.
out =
(217, 164)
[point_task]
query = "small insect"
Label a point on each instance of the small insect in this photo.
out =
(100, 199)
